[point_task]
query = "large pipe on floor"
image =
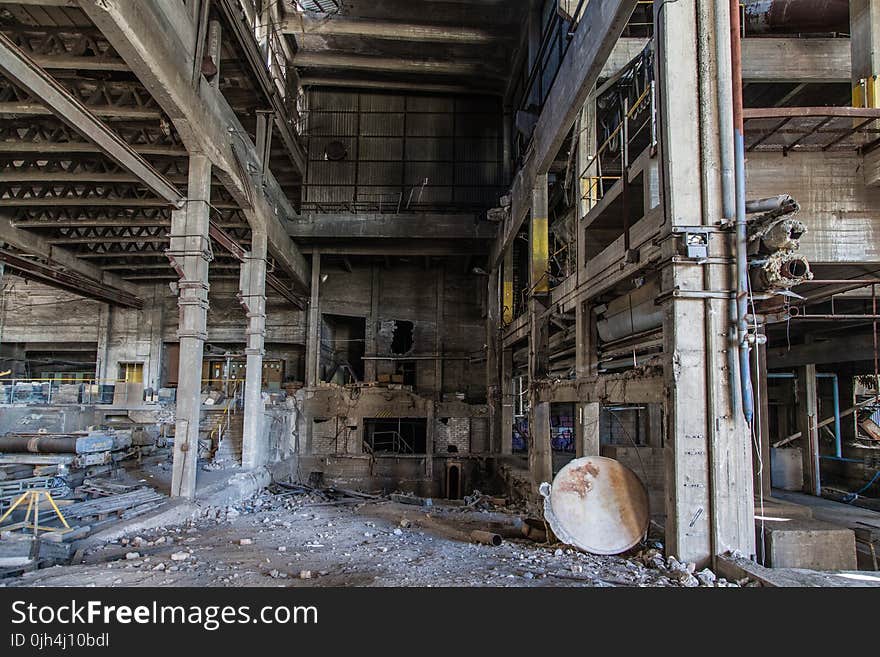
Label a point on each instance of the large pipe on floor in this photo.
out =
(795, 16)
(742, 265)
(55, 444)
(486, 538)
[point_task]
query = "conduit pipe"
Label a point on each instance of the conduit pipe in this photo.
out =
(724, 55)
(742, 266)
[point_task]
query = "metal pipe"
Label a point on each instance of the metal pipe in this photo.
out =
(723, 55)
(486, 538)
(838, 442)
(838, 438)
(742, 267)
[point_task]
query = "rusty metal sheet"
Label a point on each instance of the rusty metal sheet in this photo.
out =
(598, 505)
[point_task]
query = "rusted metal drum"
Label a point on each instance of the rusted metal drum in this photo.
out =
(598, 505)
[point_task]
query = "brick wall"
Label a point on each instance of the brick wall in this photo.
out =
(453, 431)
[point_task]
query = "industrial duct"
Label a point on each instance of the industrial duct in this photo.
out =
(796, 16)
(774, 237)
(634, 312)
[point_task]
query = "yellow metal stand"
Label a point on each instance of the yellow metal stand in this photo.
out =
(33, 504)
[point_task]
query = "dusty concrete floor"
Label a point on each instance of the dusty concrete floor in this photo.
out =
(295, 541)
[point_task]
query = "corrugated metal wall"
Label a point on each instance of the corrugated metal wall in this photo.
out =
(403, 151)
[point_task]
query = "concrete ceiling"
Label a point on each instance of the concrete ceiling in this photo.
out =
(430, 45)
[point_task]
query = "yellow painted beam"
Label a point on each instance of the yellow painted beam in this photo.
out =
(539, 241)
(507, 288)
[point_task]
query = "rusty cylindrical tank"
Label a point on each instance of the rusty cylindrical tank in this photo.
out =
(794, 16)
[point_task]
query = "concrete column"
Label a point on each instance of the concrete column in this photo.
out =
(105, 325)
(710, 506)
(372, 324)
(190, 252)
(507, 401)
(808, 419)
(252, 294)
(493, 366)
(156, 318)
(540, 454)
(864, 18)
(440, 291)
(587, 429)
(430, 439)
(586, 342)
(313, 341)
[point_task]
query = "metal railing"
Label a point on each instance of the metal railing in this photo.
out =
(389, 441)
(530, 94)
(627, 119)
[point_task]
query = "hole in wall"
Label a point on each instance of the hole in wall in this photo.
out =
(402, 339)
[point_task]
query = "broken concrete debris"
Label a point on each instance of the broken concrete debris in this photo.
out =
(325, 545)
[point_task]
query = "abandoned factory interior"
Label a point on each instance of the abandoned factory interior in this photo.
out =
(526, 293)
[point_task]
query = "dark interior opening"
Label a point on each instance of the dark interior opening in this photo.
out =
(402, 342)
(407, 369)
(453, 482)
(396, 435)
(343, 342)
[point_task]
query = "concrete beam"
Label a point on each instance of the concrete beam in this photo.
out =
(843, 349)
(107, 112)
(308, 23)
(436, 247)
(74, 148)
(766, 59)
(795, 60)
(157, 42)
(360, 83)
(416, 226)
(352, 62)
(599, 29)
(40, 247)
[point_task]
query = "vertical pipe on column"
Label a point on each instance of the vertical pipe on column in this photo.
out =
(742, 267)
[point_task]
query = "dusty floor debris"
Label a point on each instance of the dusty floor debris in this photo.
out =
(302, 540)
